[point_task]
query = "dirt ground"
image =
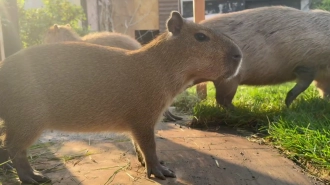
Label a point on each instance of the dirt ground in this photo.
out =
(221, 157)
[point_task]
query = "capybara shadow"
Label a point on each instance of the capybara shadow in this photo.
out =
(82, 87)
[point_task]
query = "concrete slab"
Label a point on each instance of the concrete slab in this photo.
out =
(197, 157)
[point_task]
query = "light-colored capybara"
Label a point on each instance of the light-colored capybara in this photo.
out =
(82, 87)
(279, 44)
(61, 33)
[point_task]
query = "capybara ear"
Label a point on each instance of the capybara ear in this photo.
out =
(55, 27)
(174, 23)
(68, 25)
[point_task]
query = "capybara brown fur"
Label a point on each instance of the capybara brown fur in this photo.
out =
(61, 33)
(82, 87)
(279, 44)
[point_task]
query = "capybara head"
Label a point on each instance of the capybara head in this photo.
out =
(211, 55)
(60, 33)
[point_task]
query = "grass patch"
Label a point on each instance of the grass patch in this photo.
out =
(302, 131)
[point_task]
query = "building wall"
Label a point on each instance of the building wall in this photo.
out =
(165, 7)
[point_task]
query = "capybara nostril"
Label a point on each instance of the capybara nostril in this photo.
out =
(237, 57)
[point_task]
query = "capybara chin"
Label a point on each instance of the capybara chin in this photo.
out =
(81, 87)
(279, 44)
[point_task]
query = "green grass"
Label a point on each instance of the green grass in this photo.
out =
(302, 131)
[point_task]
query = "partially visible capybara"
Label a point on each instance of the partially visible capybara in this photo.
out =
(279, 44)
(61, 33)
(82, 87)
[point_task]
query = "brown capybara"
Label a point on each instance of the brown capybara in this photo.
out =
(61, 33)
(82, 87)
(279, 44)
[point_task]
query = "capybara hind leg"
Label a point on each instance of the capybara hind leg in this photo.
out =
(323, 86)
(145, 139)
(305, 77)
(16, 144)
(225, 92)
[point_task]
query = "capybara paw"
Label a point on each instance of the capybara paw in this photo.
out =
(34, 178)
(161, 172)
(177, 117)
(144, 164)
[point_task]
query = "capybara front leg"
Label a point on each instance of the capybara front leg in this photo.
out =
(305, 77)
(25, 172)
(16, 145)
(5, 162)
(145, 139)
(138, 153)
(225, 91)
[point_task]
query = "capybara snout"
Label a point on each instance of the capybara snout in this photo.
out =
(234, 61)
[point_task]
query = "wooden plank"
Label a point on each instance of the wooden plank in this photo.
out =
(199, 15)
(199, 10)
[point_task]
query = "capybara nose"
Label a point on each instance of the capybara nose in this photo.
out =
(237, 57)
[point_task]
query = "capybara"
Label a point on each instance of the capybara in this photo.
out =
(61, 33)
(279, 44)
(82, 87)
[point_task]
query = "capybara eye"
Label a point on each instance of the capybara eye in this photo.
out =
(201, 37)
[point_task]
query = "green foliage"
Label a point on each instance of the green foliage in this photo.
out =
(185, 102)
(301, 131)
(321, 4)
(35, 22)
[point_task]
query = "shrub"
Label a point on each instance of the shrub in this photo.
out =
(35, 21)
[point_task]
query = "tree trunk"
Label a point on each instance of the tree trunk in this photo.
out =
(10, 27)
(106, 22)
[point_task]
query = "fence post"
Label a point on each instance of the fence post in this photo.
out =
(199, 15)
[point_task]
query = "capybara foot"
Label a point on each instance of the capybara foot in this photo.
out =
(144, 164)
(160, 172)
(168, 116)
(227, 106)
(176, 117)
(34, 178)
